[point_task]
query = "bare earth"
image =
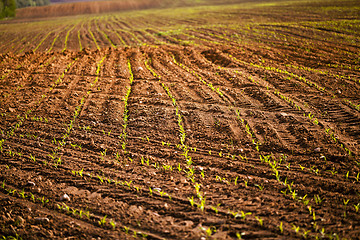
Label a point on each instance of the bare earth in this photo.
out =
(209, 130)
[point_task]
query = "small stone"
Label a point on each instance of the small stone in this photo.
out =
(317, 149)
(42, 220)
(30, 184)
(65, 197)
(11, 109)
(139, 69)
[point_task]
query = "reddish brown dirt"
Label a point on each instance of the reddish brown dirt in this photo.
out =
(258, 124)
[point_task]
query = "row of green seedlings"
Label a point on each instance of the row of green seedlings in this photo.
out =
(55, 39)
(22, 119)
(63, 207)
(168, 35)
(309, 69)
(352, 105)
(260, 221)
(191, 35)
(182, 132)
(79, 36)
(16, 45)
(123, 135)
(200, 195)
(322, 89)
(16, 193)
(182, 135)
(113, 23)
(346, 101)
(61, 143)
(128, 184)
(150, 35)
(27, 43)
(67, 36)
(4, 46)
(220, 153)
(318, 200)
(134, 38)
(309, 115)
(103, 222)
(201, 205)
(9, 152)
(103, 33)
(210, 85)
(154, 35)
(92, 35)
(116, 33)
(222, 37)
(41, 42)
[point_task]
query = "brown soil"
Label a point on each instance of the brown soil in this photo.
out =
(217, 138)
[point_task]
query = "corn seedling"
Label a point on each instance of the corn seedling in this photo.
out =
(281, 227)
(1, 144)
(32, 158)
(102, 221)
(43, 200)
(246, 182)
(261, 187)
(22, 194)
(243, 215)
(32, 197)
(192, 201)
(318, 199)
(345, 206)
(260, 221)
(113, 224)
(126, 229)
(357, 207)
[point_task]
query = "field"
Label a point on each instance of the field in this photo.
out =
(214, 120)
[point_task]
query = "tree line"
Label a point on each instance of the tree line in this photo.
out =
(8, 7)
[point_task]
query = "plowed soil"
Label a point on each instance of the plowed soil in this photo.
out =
(255, 138)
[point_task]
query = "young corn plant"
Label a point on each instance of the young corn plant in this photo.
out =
(102, 221)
